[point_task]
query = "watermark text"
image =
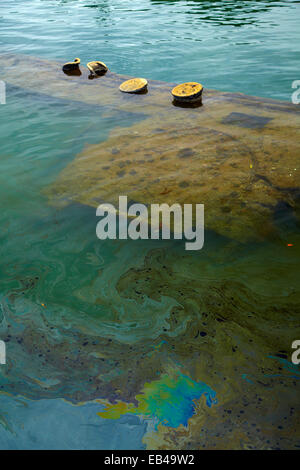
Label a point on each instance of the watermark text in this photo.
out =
(2, 92)
(296, 354)
(2, 352)
(296, 94)
(136, 222)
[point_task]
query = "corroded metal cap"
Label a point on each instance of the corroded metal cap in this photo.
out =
(69, 66)
(134, 85)
(187, 91)
(96, 67)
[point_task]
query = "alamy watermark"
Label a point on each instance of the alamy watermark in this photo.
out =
(2, 352)
(2, 92)
(296, 354)
(136, 222)
(296, 94)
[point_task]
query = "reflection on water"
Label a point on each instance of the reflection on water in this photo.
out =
(226, 13)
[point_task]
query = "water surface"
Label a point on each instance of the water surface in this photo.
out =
(101, 324)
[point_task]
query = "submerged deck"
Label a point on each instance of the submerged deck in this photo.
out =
(238, 155)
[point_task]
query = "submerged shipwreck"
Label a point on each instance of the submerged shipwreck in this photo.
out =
(237, 155)
(213, 328)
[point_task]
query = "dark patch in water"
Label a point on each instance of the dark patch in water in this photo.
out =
(246, 120)
(185, 153)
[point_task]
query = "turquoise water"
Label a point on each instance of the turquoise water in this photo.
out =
(251, 47)
(59, 290)
(88, 431)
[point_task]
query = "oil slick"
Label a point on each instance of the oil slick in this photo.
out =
(118, 313)
(171, 400)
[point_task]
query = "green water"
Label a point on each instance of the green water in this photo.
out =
(58, 282)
